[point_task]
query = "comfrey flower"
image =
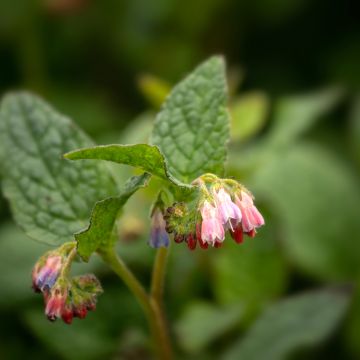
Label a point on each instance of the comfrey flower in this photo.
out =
(251, 217)
(64, 297)
(218, 206)
(229, 213)
(212, 230)
(159, 237)
(46, 272)
(55, 302)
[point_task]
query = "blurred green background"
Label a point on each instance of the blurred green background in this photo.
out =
(294, 78)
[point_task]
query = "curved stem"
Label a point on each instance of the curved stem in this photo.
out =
(158, 274)
(120, 268)
(150, 306)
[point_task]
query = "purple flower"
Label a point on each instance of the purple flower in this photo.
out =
(159, 237)
(44, 275)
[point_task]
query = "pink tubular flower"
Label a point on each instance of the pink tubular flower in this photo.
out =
(251, 217)
(44, 277)
(212, 230)
(55, 303)
(229, 213)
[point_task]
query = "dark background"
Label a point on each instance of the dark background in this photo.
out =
(92, 60)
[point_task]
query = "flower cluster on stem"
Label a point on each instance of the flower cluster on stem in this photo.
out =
(64, 297)
(222, 205)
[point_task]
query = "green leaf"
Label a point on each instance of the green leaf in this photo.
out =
(352, 328)
(146, 157)
(315, 198)
(294, 115)
(99, 234)
(203, 323)
(154, 89)
(250, 274)
(301, 321)
(49, 197)
(192, 128)
(248, 115)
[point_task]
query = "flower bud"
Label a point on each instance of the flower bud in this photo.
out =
(159, 236)
(46, 272)
(191, 242)
(54, 303)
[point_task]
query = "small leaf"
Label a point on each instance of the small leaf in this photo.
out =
(99, 234)
(192, 128)
(301, 321)
(146, 157)
(49, 197)
(248, 114)
(154, 89)
(294, 115)
(203, 323)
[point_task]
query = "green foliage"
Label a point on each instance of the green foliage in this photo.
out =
(248, 115)
(202, 323)
(100, 233)
(301, 321)
(154, 90)
(250, 274)
(146, 157)
(355, 127)
(50, 198)
(294, 115)
(313, 195)
(192, 128)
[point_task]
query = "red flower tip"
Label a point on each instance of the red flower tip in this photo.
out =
(251, 233)
(191, 242)
(67, 315)
(237, 234)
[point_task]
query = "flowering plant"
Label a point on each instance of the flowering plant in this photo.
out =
(51, 197)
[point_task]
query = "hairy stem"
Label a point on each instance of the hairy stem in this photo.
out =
(150, 305)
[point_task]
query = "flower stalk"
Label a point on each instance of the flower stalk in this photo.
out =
(150, 303)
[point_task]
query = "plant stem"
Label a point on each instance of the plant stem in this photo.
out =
(150, 305)
(158, 275)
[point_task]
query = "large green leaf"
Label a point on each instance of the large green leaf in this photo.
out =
(301, 321)
(99, 234)
(250, 274)
(315, 198)
(192, 128)
(203, 323)
(50, 198)
(294, 115)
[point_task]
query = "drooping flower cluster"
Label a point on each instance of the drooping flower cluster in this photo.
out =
(64, 297)
(223, 205)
